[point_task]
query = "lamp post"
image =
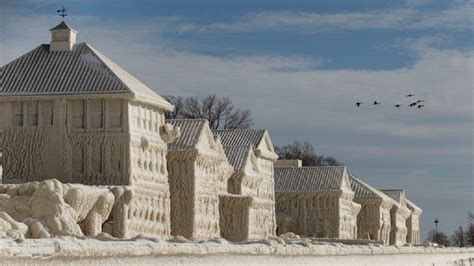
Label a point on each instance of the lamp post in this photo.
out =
(436, 221)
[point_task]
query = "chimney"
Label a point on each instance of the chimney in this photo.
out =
(63, 38)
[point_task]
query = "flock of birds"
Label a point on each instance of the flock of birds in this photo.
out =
(418, 103)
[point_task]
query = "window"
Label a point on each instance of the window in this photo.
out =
(115, 113)
(116, 158)
(46, 113)
(97, 159)
(78, 111)
(97, 113)
(78, 159)
(32, 110)
(17, 114)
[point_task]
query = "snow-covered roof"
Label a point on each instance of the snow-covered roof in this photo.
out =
(363, 190)
(237, 156)
(241, 137)
(298, 179)
(413, 207)
(83, 70)
(191, 129)
(62, 26)
(395, 194)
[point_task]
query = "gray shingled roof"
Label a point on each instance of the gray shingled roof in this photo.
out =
(62, 26)
(395, 194)
(364, 190)
(294, 179)
(237, 155)
(240, 137)
(361, 189)
(83, 70)
(191, 129)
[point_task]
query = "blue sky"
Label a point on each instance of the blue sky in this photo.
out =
(300, 66)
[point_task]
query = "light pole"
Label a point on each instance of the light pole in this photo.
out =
(436, 221)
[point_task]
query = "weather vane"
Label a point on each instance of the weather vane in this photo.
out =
(62, 12)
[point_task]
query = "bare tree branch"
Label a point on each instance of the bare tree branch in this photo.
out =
(305, 152)
(220, 112)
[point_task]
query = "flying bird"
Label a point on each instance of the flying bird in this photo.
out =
(410, 95)
(413, 104)
(398, 105)
(358, 104)
(376, 103)
(421, 105)
(419, 101)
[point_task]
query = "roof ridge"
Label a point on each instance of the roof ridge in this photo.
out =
(111, 65)
(239, 129)
(313, 167)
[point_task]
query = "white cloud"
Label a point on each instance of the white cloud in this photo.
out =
(288, 93)
(456, 18)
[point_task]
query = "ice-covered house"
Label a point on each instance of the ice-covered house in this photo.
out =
(413, 223)
(198, 173)
(315, 201)
(398, 216)
(70, 113)
(373, 221)
(248, 211)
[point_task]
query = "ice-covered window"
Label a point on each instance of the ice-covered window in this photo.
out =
(17, 113)
(46, 113)
(78, 113)
(115, 113)
(116, 158)
(78, 159)
(97, 158)
(32, 109)
(97, 113)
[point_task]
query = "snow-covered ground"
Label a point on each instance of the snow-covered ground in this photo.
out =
(179, 251)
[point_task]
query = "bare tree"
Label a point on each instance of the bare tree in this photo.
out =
(220, 112)
(440, 238)
(470, 229)
(178, 103)
(457, 238)
(305, 152)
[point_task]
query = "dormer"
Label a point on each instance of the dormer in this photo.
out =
(63, 38)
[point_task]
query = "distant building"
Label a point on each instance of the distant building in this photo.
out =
(70, 113)
(198, 173)
(248, 212)
(413, 223)
(316, 201)
(373, 221)
(398, 215)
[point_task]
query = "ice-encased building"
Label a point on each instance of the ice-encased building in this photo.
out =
(315, 201)
(70, 113)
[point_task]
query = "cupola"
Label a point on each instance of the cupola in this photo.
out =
(63, 38)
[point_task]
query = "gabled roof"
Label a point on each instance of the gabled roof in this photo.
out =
(83, 70)
(413, 207)
(62, 26)
(191, 129)
(395, 194)
(298, 179)
(237, 156)
(241, 137)
(364, 190)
